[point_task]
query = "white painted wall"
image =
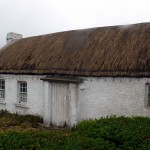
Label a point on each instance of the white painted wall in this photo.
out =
(34, 94)
(94, 98)
(112, 96)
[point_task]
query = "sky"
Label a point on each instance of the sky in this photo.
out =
(37, 17)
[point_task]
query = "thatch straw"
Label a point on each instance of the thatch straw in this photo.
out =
(104, 51)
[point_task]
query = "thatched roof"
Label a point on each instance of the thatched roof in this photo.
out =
(103, 51)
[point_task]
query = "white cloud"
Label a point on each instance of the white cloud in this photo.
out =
(34, 17)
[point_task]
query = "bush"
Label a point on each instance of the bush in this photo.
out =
(114, 133)
(123, 132)
(7, 119)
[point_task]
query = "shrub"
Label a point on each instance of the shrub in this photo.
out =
(7, 119)
(111, 133)
(123, 132)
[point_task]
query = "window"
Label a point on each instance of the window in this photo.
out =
(22, 92)
(2, 89)
(148, 95)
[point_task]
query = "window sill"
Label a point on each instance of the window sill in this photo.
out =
(2, 102)
(21, 105)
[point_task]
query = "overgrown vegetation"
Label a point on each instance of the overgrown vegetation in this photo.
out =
(118, 132)
(114, 133)
(11, 121)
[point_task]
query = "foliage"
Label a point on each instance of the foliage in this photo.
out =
(8, 120)
(123, 132)
(114, 133)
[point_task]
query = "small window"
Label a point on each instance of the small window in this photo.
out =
(22, 92)
(2, 89)
(148, 95)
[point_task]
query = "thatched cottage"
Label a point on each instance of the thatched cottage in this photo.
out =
(70, 76)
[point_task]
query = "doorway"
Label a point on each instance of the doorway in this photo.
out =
(60, 104)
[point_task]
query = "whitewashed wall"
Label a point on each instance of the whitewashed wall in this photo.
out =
(94, 98)
(112, 96)
(34, 94)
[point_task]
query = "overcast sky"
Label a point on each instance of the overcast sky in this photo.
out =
(36, 17)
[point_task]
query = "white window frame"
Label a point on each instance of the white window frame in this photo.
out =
(22, 92)
(2, 89)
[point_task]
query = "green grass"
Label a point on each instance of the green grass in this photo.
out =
(114, 133)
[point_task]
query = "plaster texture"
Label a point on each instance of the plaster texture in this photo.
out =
(101, 97)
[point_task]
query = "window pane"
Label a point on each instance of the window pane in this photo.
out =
(148, 95)
(24, 90)
(2, 84)
(2, 94)
(149, 88)
(24, 85)
(21, 90)
(2, 89)
(23, 97)
(21, 84)
(148, 103)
